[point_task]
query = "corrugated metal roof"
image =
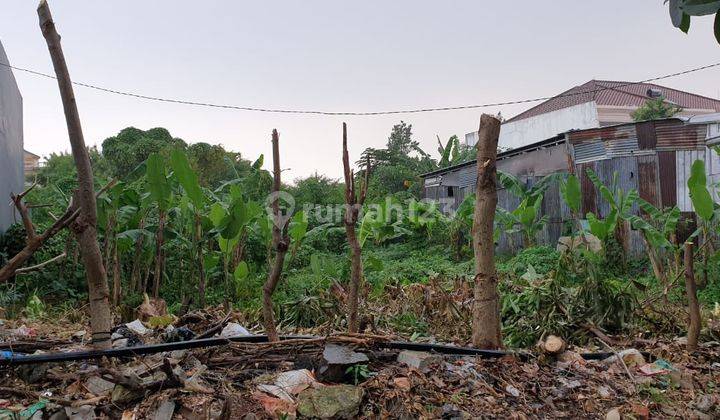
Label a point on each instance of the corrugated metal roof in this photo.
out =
(589, 151)
(616, 93)
(675, 135)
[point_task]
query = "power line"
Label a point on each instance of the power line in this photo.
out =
(368, 113)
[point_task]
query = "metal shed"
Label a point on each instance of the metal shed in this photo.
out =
(652, 157)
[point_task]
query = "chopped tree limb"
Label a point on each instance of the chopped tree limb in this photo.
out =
(36, 267)
(85, 226)
(280, 243)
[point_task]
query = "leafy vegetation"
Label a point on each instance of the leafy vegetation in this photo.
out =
(189, 223)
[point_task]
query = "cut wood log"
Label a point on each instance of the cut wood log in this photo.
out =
(553, 345)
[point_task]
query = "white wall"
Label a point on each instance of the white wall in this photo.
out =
(530, 130)
(12, 177)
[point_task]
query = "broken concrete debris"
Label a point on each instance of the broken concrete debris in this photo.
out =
(233, 329)
(419, 360)
(331, 402)
(336, 360)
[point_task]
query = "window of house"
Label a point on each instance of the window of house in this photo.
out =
(450, 192)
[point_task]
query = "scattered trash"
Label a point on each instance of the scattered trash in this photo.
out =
(137, 327)
(603, 391)
(233, 329)
(99, 386)
(336, 401)
(23, 331)
(512, 390)
(30, 412)
(175, 335)
(659, 367)
(631, 357)
(288, 384)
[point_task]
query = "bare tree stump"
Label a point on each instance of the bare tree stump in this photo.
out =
(486, 305)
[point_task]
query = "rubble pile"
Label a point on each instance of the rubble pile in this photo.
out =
(344, 376)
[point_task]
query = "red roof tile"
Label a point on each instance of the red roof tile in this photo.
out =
(615, 93)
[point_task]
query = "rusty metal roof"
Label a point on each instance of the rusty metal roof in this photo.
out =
(616, 93)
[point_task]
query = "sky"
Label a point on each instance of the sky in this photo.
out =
(334, 56)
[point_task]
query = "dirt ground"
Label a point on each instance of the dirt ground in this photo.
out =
(241, 380)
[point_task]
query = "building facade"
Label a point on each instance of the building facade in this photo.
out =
(597, 103)
(11, 142)
(652, 157)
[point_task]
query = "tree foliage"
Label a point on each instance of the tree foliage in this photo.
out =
(681, 12)
(655, 109)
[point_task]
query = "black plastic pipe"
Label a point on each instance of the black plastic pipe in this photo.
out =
(218, 341)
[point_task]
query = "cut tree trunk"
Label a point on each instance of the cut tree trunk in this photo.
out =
(85, 226)
(159, 254)
(486, 305)
(693, 306)
(135, 276)
(117, 280)
(353, 204)
(280, 242)
(201, 260)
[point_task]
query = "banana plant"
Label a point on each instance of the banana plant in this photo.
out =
(188, 180)
(381, 224)
(526, 217)
(620, 202)
(161, 194)
(708, 212)
(232, 219)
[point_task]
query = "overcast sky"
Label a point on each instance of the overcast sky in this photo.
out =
(336, 56)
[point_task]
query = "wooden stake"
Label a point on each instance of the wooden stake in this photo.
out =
(85, 226)
(280, 242)
(486, 305)
(693, 306)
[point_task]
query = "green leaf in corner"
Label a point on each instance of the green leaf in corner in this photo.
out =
(716, 26)
(685, 23)
(373, 263)
(242, 271)
(259, 162)
(571, 192)
(298, 227)
(699, 195)
(187, 177)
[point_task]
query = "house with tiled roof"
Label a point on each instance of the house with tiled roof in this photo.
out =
(597, 103)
